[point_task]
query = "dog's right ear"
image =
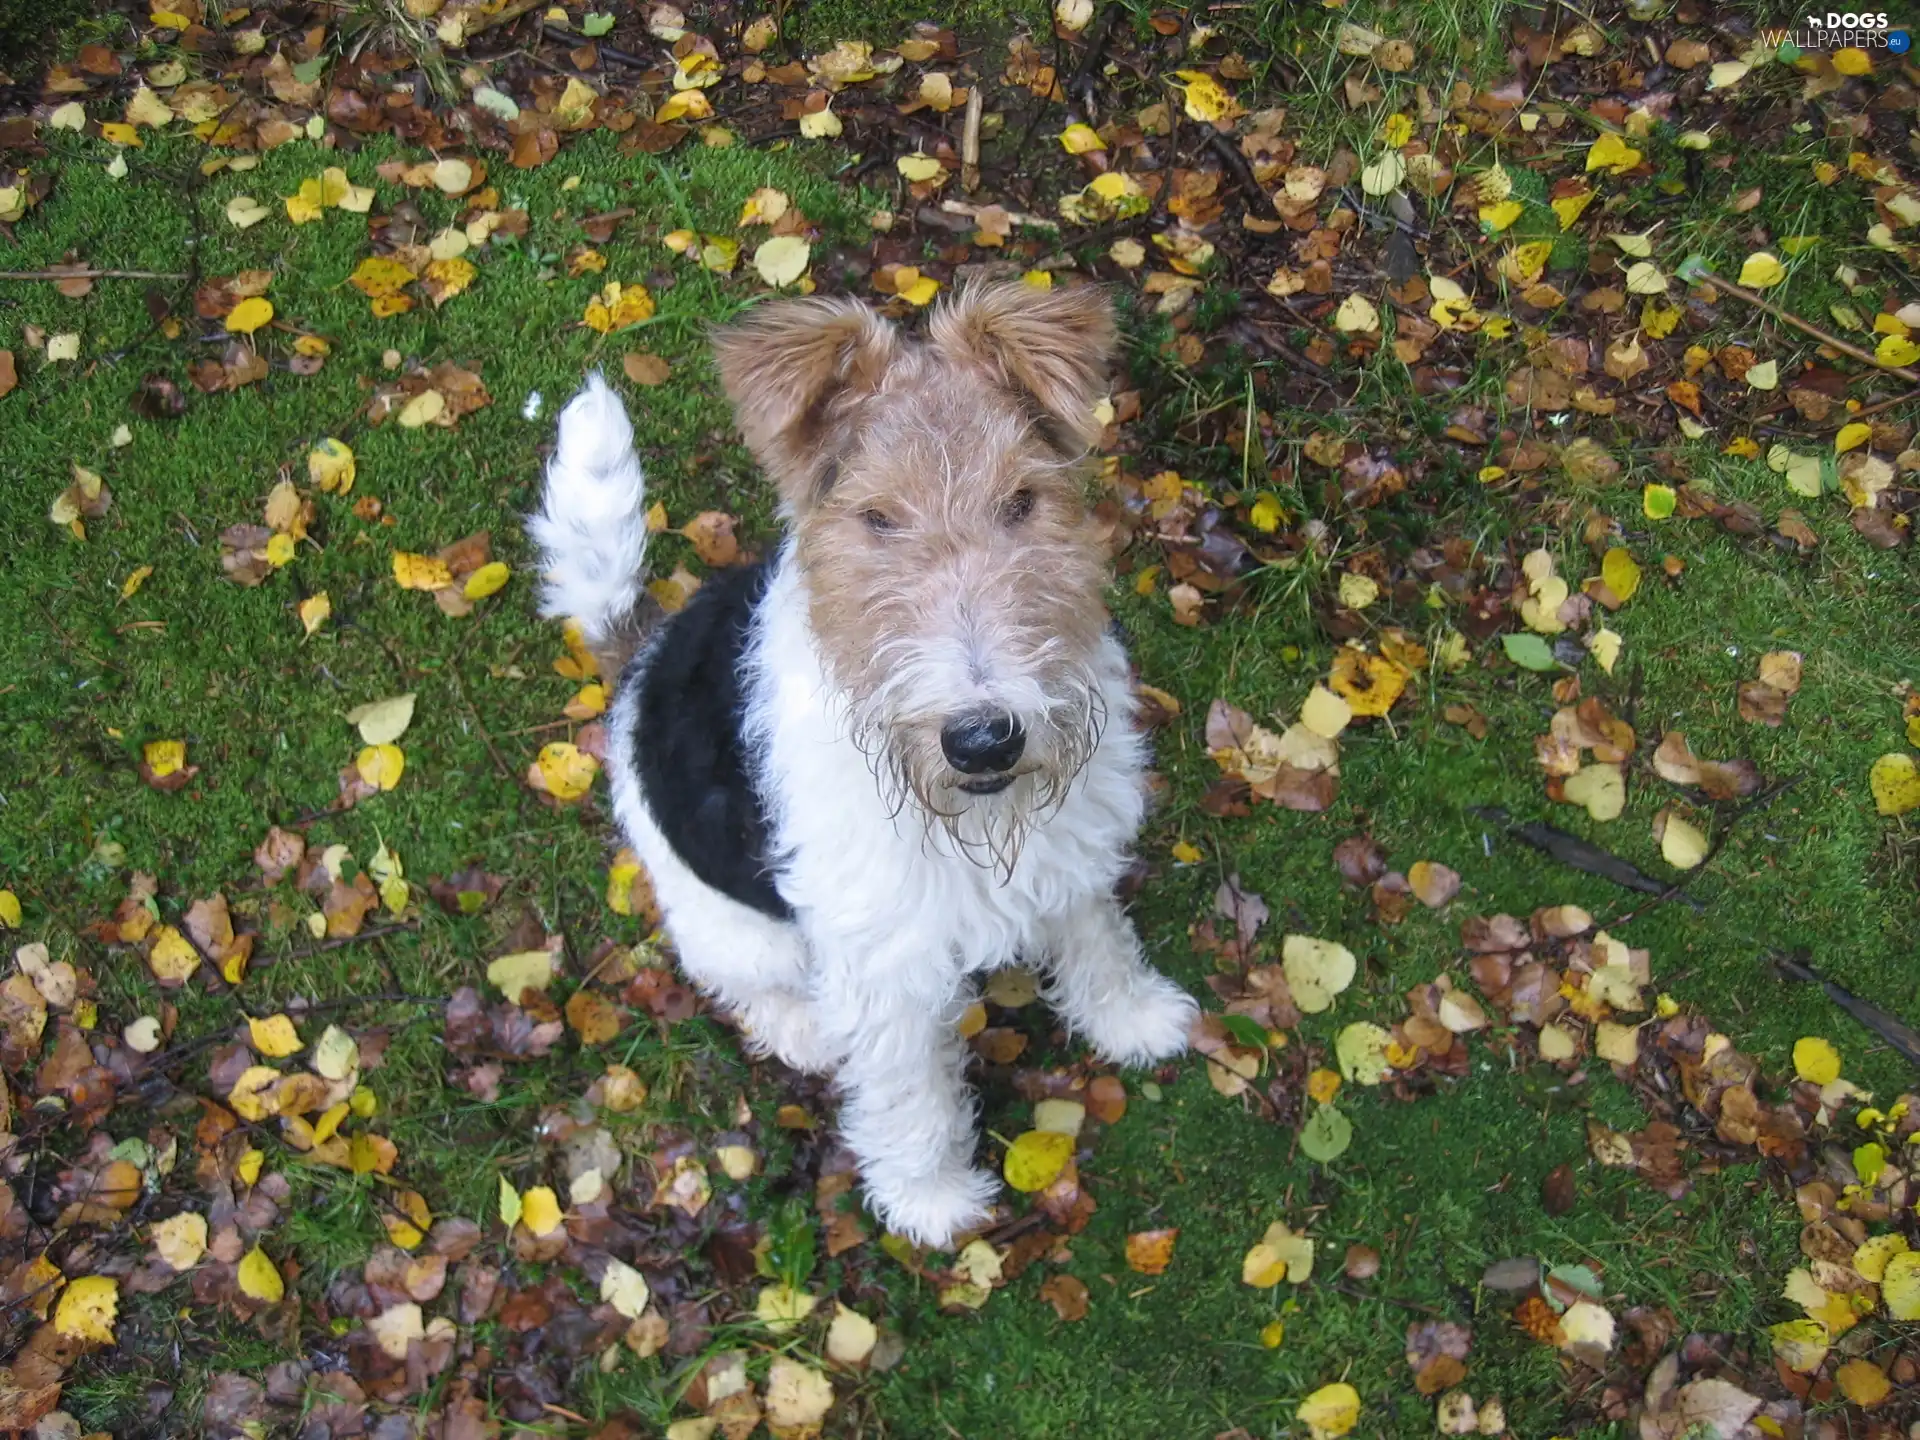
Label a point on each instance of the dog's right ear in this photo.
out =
(793, 369)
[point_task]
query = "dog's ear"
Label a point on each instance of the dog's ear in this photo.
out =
(1050, 347)
(792, 369)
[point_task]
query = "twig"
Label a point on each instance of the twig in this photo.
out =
(378, 932)
(453, 671)
(1017, 217)
(1414, 1305)
(1079, 86)
(1257, 199)
(1845, 347)
(92, 275)
(1907, 399)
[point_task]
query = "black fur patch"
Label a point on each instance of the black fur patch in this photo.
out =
(692, 763)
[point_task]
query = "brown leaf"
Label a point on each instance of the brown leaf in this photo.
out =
(8, 376)
(1107, 1099)
(594, 1018)
(280, 852)
(533, 148)
(1360, 860)
(645, 369)
(711, 532)
(1067, 1295)
(1556, 1190)
(1437, 1353)
(1362, 1262)
(1151, 1251)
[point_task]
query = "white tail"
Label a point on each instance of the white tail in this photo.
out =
(592, 527)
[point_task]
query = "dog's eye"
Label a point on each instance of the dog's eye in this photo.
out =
(1018, 507)
(879, 522)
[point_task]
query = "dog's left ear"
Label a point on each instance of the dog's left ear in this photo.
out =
(1052, 347)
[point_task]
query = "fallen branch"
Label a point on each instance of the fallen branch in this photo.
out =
(91, 275)
(1583, 855)
(970, 142)
(1897, 1033)
(1760, 801)
(1845, 347)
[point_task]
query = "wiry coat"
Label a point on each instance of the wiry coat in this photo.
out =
(939, 562)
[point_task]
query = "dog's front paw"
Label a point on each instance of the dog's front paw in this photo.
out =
(1149, 1021)
(933, 1209)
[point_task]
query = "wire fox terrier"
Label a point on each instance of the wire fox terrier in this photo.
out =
(898, 754)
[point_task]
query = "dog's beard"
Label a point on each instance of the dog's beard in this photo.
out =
(914, 777)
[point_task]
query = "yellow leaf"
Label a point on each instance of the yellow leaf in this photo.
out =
(540, 1211)
(1358, 591)
(447, 278)
(165, 757)
(1078, 139)
(182, 1240)
(249, 315)
(566, 770)
(1621, 574)
(782, 1307)
(1316, 970)
(820, 124)
(1035, 1159)
(1330, 1411)
(380, 276)
(1896, 350)
(260, 1278)
(1357, 315)
(1852, 436)
(1397, 130)
(1900, 1286)
(1206, 100)
(274, 1037)
(1325, 713)
(684, 105)
(120, 134)
(624, 1288)
(1863, 1382)
(487, 579)
(1601, 789)
(131, 585)
(173, 960)
(9, 910)
(87, 1310)
(255, 1095)
(1800, 1345)
(1761, 270)
(921, 291)
(1815, 1060)
(1570, 207)
(314, 611)
(1657, 501)
(1895, 781)
(381, 765)
(1682, 845)
(782, 260)
(510, 1204)
(1369, 683)
(1872, 1256)
(280, 550)
(1361, 1049)
(422, 409)
(1612, 153)
(1852, 60)
(420, 572)
(1499, 216)
(920, 168)
(1186, 854)
(520, 972)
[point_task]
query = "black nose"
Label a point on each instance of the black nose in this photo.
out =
(982, 744)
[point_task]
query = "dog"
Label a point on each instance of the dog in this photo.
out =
(899, 753)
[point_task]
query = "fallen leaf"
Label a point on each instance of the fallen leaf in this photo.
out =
(259, 1278)
(1330, 1411)
(87, 1309)
(1151, 1251)
(1316, 970)
(1035, 1159)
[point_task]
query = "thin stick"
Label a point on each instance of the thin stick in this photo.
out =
(91, 275)
(1258, 200)
(970, 142)
(1727, 287)
(1906, 399)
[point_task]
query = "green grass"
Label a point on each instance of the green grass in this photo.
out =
(1440, 1187)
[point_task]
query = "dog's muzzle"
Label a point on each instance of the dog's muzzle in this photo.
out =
(983, 745)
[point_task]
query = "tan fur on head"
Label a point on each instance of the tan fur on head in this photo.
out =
(940, 520)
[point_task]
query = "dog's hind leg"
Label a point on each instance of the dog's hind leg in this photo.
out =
(755, 968)
(1099, 982)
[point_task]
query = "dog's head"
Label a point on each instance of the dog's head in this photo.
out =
(938, 503)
